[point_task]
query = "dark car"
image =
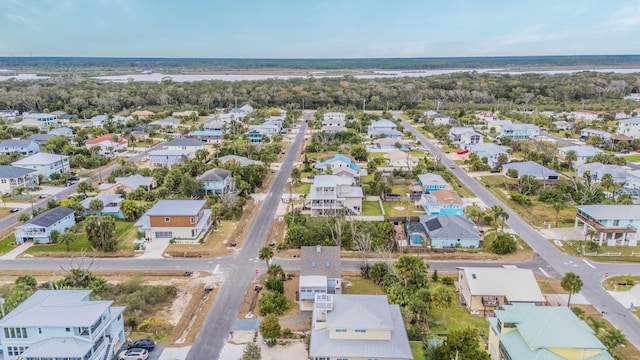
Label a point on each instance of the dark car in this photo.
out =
(42, 196)
(142, 344)
(14, 210)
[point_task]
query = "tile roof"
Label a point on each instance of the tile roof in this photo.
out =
(103, 138)
(40, 159)
(49, 217)
(12, 172)
(445, 196)
(313, 262)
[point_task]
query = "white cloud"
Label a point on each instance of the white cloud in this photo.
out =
(19, 19)
(624, 19)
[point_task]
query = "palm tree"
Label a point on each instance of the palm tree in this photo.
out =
(441, 298)
(572, 283)
(607, 182)
(505, 217)
(96, 205)
(557, 206)
(266, 253)
(497, 210)
(613, 338)
(67, 238)
(570, 157)
(85, 187)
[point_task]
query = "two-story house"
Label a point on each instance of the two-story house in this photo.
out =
(110, 202)
(484, 289)
(12, 177)
(597, 171)
(629, 127)
(24, 147)
(62, 324)
(519, 131)
(583, 153)
(586, 133)
(45, 164)
(633, 180)
(38, 229)
(495, 125)
(320, 273)
(169, 158)
(443, 201)
(192, 145)
(334, 119)
(615, 224)
(216, 181)
(383, 128)
(357, 327)
(526, 331)
(9, 115)
(43, 121)
(492, 152)
(332, 194)
(109, 144)
(432, 182)
(455, 133)
(185, 220)
(339, 165)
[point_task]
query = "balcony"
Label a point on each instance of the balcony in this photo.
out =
(490, 301)
(585, 218)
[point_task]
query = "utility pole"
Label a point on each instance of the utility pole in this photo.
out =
(364, 102)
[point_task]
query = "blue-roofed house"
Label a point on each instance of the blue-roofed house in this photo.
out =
(38, 229)
(446, 230)
(340, 165)
(527, 331)
(432, 182)
(216, 181)
(111, 203)
(531, 168)
(519, 131)
(24, 147)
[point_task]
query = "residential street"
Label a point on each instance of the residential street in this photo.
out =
(592, 273)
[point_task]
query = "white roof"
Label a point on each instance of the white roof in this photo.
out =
(56, 308)
(313, 281)
(170, 153)
(517, 285)
(58, 348)
(40, 159)
(331, 180)
(176, 207)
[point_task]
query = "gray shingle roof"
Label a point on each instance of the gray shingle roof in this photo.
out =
(309, 256)
(243, 161)
(50, 217)
(531, 168)
(215, 174)
(615, 212)
(41, 137)
(183, 142)
(12, 172)
(40, 159)
(135, 181)
(16, 143)
(445, 226)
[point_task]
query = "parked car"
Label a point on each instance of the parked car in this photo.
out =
(494, 170)
(134, 354)
(14, 210)
(624, 151)
(42, 196)
(143, 343)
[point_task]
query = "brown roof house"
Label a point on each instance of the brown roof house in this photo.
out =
(320, 273)
(184, 221)
(443, 201)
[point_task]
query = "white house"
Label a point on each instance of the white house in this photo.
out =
(62, 324)
(168, 122)
(583, 153)
(598, 170)
(340, 165)
(519, 131)
(455, 133)
(486, 116)
(183, 144)
(108, 143)
(334, 119)
(40, 120)
(45, 164)
(185, 220)
(469, 139)
(332, 194)
(589, 132)
(9, 115)
(587, 114)
(491, 151)
(400, 159)
(629, 127)
(383, 128)
(169, 157)
(12, 177)
(39, 228)
(24, 147)
(633, 180)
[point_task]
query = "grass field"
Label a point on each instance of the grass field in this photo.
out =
(214, 244)
(407, 209)
(301, 189)
(625, 252)
(7, 244)
(456, 318)
(371, 208)
(417, 350)
(358, 285)
(125, 233)
(632, 158)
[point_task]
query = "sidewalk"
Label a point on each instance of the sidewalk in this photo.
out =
(16, 251)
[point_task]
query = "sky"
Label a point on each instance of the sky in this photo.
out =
(318, 28)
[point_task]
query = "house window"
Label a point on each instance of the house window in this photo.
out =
(616, 222)
(15, 333)
(167, 219)
(192, 220)
(67, 329)
(39, 330)
(341, 330)
(360, 331)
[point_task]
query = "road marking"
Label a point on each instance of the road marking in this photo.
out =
(588, 263)
(544, 272)
(215, 271)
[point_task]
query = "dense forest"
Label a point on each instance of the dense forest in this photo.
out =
(458, 91)
(66, 63)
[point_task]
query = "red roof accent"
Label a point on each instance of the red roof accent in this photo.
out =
(103, 138)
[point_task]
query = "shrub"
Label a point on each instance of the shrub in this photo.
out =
(415, 333)
(447, 280)
(273, 303)
(512, 173)
(503, 244)
(274, 285)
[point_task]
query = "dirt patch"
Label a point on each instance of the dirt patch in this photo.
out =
(550, 286)
(217, 243)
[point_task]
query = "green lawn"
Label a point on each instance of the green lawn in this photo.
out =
(632, 158)
(303, 188)
(457, 318)
(125, 232)
(7, 244)
(417, 350)
(625, 252)
(142, 144)
(399, 189)
(371, 208)
(359, 285)
(375, 155)
(407, 209)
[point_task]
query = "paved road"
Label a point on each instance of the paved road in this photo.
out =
(240, 273)
(592, 273)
